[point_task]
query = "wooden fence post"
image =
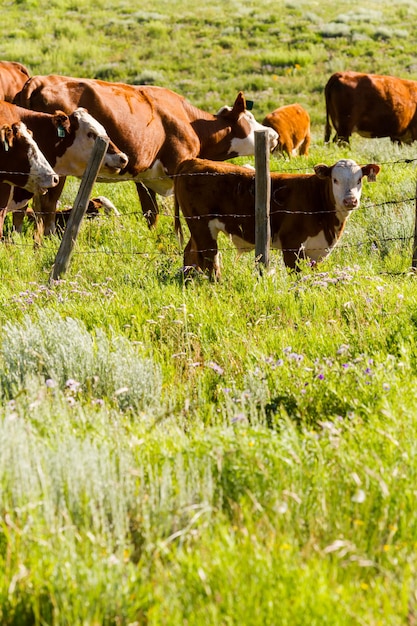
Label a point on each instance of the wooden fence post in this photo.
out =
(414, 261)
(262, 199)
(71, 231)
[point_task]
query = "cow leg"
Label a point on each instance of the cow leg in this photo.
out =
(202, 256)
(5, 194)
(290, 253)
(305, 146)
(18, 217)
(45, 208)
(2, 218)
(148, 203)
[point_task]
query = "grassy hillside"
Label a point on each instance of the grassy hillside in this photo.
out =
(212, 454)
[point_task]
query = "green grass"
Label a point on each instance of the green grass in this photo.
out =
(227, 453)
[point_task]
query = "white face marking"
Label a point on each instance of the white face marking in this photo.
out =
(75, 159)
(347, 186)
(246, 145)
(41, 174)
(155, 178)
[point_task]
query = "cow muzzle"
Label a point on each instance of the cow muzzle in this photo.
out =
(116, 162)
(272, 139)
(47, 182)
(351, 203)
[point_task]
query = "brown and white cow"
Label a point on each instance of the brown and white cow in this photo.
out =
(372, 106)
(66, 141)
(21, 164)
(96, 207)
(157, 128)
(307, 215)
(13, 76)
(292, 123)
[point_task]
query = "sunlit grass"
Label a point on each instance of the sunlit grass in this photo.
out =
(239, 452)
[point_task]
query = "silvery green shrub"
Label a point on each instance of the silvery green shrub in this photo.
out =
(64, 352)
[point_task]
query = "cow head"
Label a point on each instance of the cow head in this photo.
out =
(78, 131)
(28, 166)
(346, 182)
(242, 126)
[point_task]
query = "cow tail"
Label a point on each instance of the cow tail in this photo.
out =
(328, 128)
(177, 222)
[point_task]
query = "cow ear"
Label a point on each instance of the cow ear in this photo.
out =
(3, 138)
(322, 170)
(240, 104)
(62, 123)
(6, 137)
(371, 170)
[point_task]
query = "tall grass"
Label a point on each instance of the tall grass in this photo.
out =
(225, 453)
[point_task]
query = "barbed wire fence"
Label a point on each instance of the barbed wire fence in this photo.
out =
(371, 242)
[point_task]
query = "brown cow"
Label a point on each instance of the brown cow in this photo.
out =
(21, 161)
(372, 106)
(13, 76)
(22, 164)
(292, 123)
(93, 210)
(308, 211)
(157, 128)
(65, 140)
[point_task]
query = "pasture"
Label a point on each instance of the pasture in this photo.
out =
(240, 452)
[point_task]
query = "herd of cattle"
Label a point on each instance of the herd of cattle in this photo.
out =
(48, 126)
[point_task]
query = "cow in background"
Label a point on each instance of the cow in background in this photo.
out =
(156, 128)
(308, 212)
(372, 106)
(13, 76)
(292, 123)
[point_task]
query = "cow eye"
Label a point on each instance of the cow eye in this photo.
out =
(91, 135)
(336, 182)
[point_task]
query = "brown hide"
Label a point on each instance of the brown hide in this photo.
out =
(292, 123)
(148, 123)
(12, 78)
(14, 156)
(372, 106)
(46, 129)
(217, 197)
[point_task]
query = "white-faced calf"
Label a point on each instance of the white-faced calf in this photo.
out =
(307, 215)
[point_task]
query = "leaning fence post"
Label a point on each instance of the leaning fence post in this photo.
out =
(414, 261)
(79, 208)
(262, 199)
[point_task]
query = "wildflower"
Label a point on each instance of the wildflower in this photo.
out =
(50, 383)
(343, 349)
(73, 385)
(240, 417)
(215, 367)
(359, 497)
(282, 508)
(320, 376)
